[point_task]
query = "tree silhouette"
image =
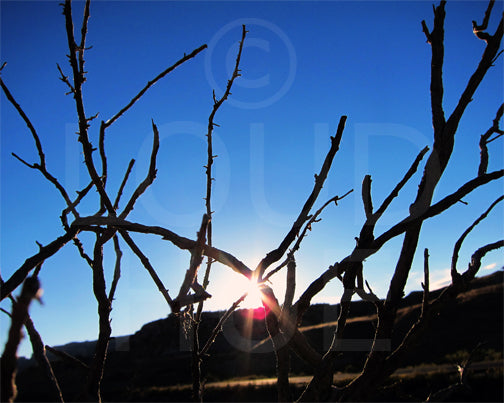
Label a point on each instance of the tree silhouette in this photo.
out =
(110, 224)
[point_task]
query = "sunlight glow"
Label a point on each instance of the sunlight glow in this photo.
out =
(253, 299)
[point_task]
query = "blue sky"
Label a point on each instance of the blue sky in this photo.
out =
(304, 65)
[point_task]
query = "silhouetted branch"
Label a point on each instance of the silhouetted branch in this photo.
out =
(64, 78)
(277, 253)
(151, 175)
(438, 207)
(436, 40)
(40, 356)
(308, 226)
(395, 192)
(45, 252)
(367, 232)
(290, 286)
(78, 80)
(105, 124)
(30, 290)
(72, 207)
(196, 259)
(145, 261)
(366, 196)
(210, 156)
(478, 29)
(455, 275)
(95, 374)
(218, 328)
(41, 166)
(182, 243)
(82, 45)
(67, 357)
(117, 268)
(426, 283)
(320, 385)
(151, 83)
(359, 254)
(123, 183)
(487, 60)
(197, 384)
(23, 115)
(485, 140)
(82, 252)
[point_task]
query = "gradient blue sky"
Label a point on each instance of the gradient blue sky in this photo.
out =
(304, 65)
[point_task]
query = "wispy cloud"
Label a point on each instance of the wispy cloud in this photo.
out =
(490, 266)
(440, 278)
(437, 279)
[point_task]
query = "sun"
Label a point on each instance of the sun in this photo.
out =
(251, 287)
(254, 294)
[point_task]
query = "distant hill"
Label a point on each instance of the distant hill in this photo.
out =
(159, 353)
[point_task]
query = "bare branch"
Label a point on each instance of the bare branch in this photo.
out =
(218, 328)
(374, 374)
(478, 29)
(455, 275)
(436, 39)
(145, 261)
(208, 167)
(21, 113)
(312, 219)
(438, 207)
(80, 195)
(117, 268)
(395, 192)
(290, 286)
(366, 196)
(152, 82)
(67, 357)
(123, 183)
(41, 166)
(40, 356)
(277, 253)
(425, 284)
(82, 45)
(359, 254)
(475, 263)
(78, 80)
(485, 140)
(65, 80)
(151, 175)
(82, 252)
(97, 366)
(487, 60)
(8, 360)
(196, 259)
(183, 243)
(45, 252)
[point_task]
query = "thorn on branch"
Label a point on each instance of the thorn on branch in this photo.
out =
(92, 117)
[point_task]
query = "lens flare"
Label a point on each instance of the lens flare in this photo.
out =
(254, 295)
